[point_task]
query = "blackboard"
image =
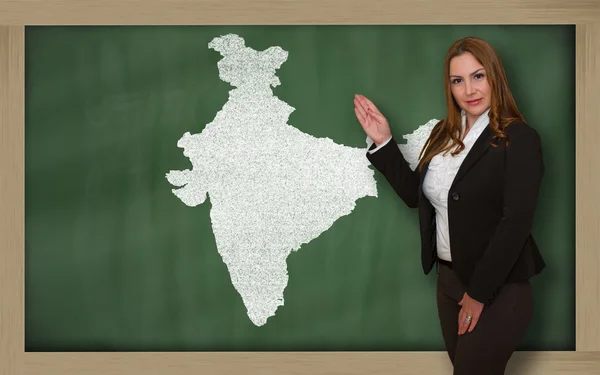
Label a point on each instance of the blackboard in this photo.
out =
(114, 261)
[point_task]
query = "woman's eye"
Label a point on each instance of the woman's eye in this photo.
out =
(455, 80)
(479, 75)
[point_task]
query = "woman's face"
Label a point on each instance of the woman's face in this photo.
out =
(469, 85)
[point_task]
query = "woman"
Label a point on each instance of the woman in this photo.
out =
(476, 188)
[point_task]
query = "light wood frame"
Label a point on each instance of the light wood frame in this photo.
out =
(16, 14)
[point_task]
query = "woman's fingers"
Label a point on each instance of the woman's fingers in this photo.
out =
(370, 105)
(359, 115)
(474, 322)
(463, 324)
(372, 121)
(378, 116)
(361, 102)
(371, 109)
(360, 109)
(363, 117)
(363, 105)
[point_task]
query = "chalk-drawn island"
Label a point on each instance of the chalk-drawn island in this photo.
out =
(272, 187)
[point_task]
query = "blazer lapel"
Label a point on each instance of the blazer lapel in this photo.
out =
(480, 146)
(423, 173)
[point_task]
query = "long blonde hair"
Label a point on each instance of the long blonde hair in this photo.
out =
(447, 134)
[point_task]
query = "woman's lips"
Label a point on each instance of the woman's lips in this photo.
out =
(474, 102)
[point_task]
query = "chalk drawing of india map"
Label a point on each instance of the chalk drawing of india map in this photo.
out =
(272, 187)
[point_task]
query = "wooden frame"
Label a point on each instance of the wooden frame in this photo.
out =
(14, 15)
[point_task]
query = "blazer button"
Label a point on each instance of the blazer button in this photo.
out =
(455, 196)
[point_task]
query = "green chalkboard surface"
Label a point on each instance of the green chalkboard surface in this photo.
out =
(115, 261)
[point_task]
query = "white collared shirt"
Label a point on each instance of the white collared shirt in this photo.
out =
(440, 175)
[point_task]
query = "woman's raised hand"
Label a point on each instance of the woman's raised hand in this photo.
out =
(372, 121)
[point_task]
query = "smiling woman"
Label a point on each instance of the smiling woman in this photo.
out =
(481, 237)
(472, 93)
(115, 261)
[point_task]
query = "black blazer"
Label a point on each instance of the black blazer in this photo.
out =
(491, 207)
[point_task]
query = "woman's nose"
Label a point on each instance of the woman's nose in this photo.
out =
(469, 89)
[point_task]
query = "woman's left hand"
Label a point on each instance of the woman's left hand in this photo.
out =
(472, 308)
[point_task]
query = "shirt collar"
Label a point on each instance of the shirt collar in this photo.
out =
(481, 121)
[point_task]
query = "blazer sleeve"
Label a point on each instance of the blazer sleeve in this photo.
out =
(391, 163)
(523, 176)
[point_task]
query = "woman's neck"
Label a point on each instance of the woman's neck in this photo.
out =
(470, 121)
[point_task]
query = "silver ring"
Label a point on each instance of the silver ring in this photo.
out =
(468, 319)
